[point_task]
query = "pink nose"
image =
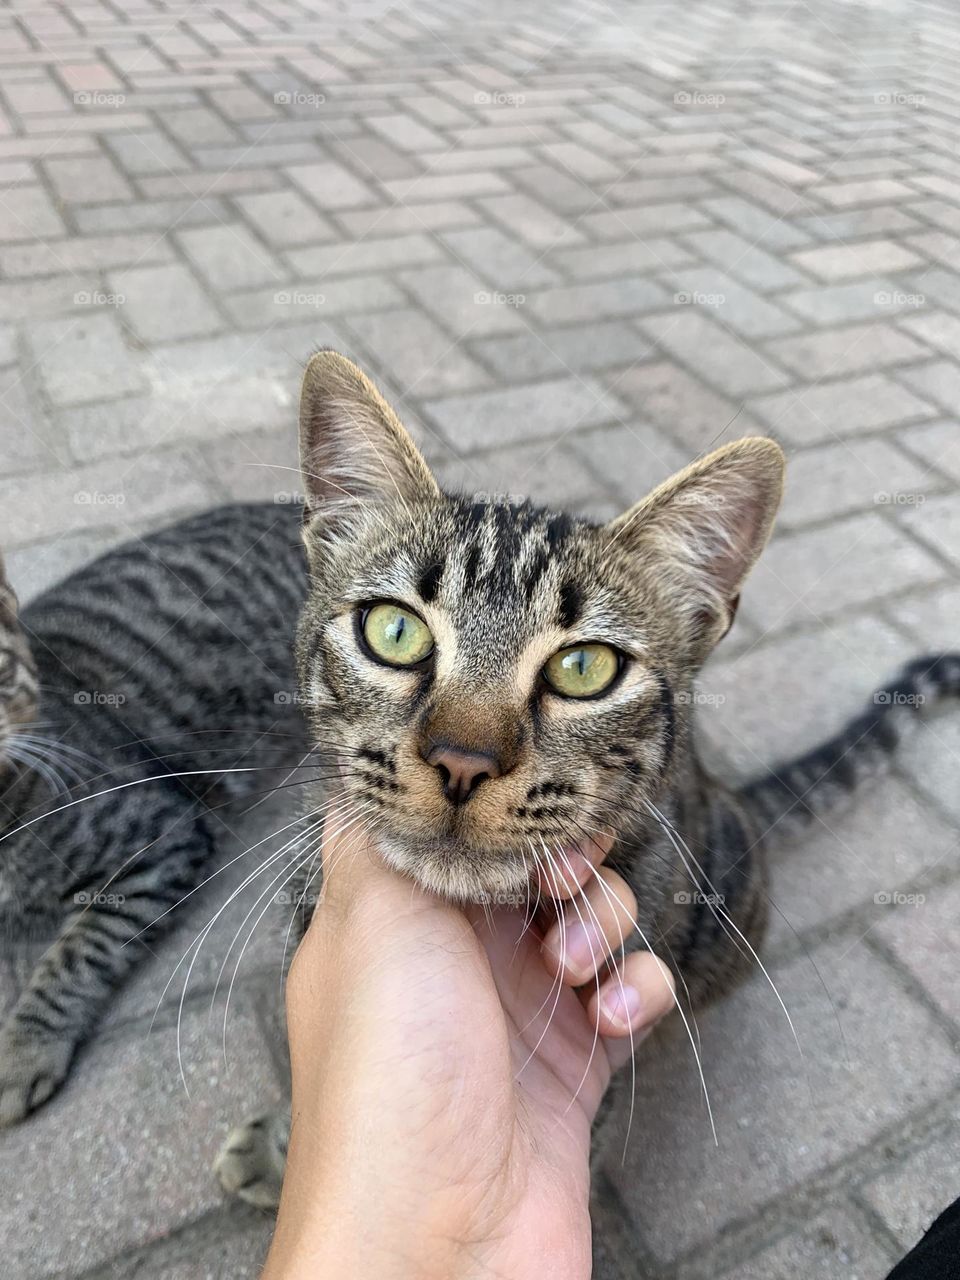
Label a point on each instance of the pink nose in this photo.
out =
(461, 771)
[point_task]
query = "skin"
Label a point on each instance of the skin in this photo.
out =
(444, 1082)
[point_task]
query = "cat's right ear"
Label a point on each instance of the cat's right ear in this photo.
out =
(354, 450)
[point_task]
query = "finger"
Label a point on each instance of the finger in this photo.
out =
(592, 925)
(569, 870)
(632, 1000)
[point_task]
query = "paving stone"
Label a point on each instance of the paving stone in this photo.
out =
(331, 186)
(26, 213)
(628, 295)
(296, 303)
(861, 300)
(937, 443)
(90, 180)
(229, 257)
(416, 354)
(617, 259)
(552, 408)
(886, 843)
(744, 311)
(145, 151)
(835, 479)
(930, 616)
(834, 1246)
(852, 1074)
(865, 258)
(917, 1189)
(498, 257)
(83, 359)
(824, 675)
(464, 303)
(808, 576)
(576, 350)
(83, 254)
(631, 458)
(164, 304)
(937, 328)
(744, 260)
(718, 356)
(936, 522)
(368, 254)
(284, 218)
(938, 382)
(159, 215)
(548, 472)
(131, 1169)
(855, 348)
(647, 219)
(99, 495)
(523, 216)
(233, 1243)
(758, 225)
(808, 415)
(871, 191)
(666, 395)
(435, 215)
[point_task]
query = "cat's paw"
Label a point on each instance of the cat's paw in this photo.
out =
(31, 1071)
(251, 1161)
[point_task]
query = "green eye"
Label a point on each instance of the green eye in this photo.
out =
(583, 670)
(396, 635)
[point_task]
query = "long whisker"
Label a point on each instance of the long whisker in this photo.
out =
(683, 1016)
(596, 972)
(674, 836)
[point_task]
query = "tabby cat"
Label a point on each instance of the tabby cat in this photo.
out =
(497, 679)
(171, 655)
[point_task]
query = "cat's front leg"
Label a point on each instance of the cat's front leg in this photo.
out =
(93, 953)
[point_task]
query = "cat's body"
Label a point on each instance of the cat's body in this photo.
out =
(170, 655)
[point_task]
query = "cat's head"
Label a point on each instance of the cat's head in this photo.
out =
(18, 675)
(498, 679)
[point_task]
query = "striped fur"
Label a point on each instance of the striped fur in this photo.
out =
(166, 655)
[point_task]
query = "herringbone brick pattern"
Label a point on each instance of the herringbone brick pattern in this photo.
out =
(578, 243)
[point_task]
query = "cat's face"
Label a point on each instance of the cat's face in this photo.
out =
(18, 675)
(499, 681)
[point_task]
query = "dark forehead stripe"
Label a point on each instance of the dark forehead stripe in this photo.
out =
(571, 603)
(430, 580)
(508, 547)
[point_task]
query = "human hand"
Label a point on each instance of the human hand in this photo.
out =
(447, 1066)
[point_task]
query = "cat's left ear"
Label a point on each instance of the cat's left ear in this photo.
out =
(702, 530)
(353, 448)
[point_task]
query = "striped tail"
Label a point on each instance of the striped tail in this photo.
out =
(795, 792)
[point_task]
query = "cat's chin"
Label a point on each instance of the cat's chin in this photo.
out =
(459, 873)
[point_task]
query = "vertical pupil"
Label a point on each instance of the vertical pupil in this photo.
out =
(582, 661)
(399, 624)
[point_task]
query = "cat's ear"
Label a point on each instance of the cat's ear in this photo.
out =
(353, 448)
(702, 530)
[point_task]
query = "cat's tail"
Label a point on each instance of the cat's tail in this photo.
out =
(795, 792)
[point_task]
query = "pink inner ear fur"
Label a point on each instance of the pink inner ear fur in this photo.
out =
(712, 520)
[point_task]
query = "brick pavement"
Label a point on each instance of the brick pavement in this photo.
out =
(577, 243)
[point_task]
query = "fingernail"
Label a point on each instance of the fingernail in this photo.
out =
(577, 950)
(575, 868)
(621, 1005)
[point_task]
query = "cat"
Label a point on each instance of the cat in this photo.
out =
(171, 655)
(498, 679)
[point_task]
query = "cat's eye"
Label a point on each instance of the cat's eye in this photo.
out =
(395, 635)
(583, 670)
